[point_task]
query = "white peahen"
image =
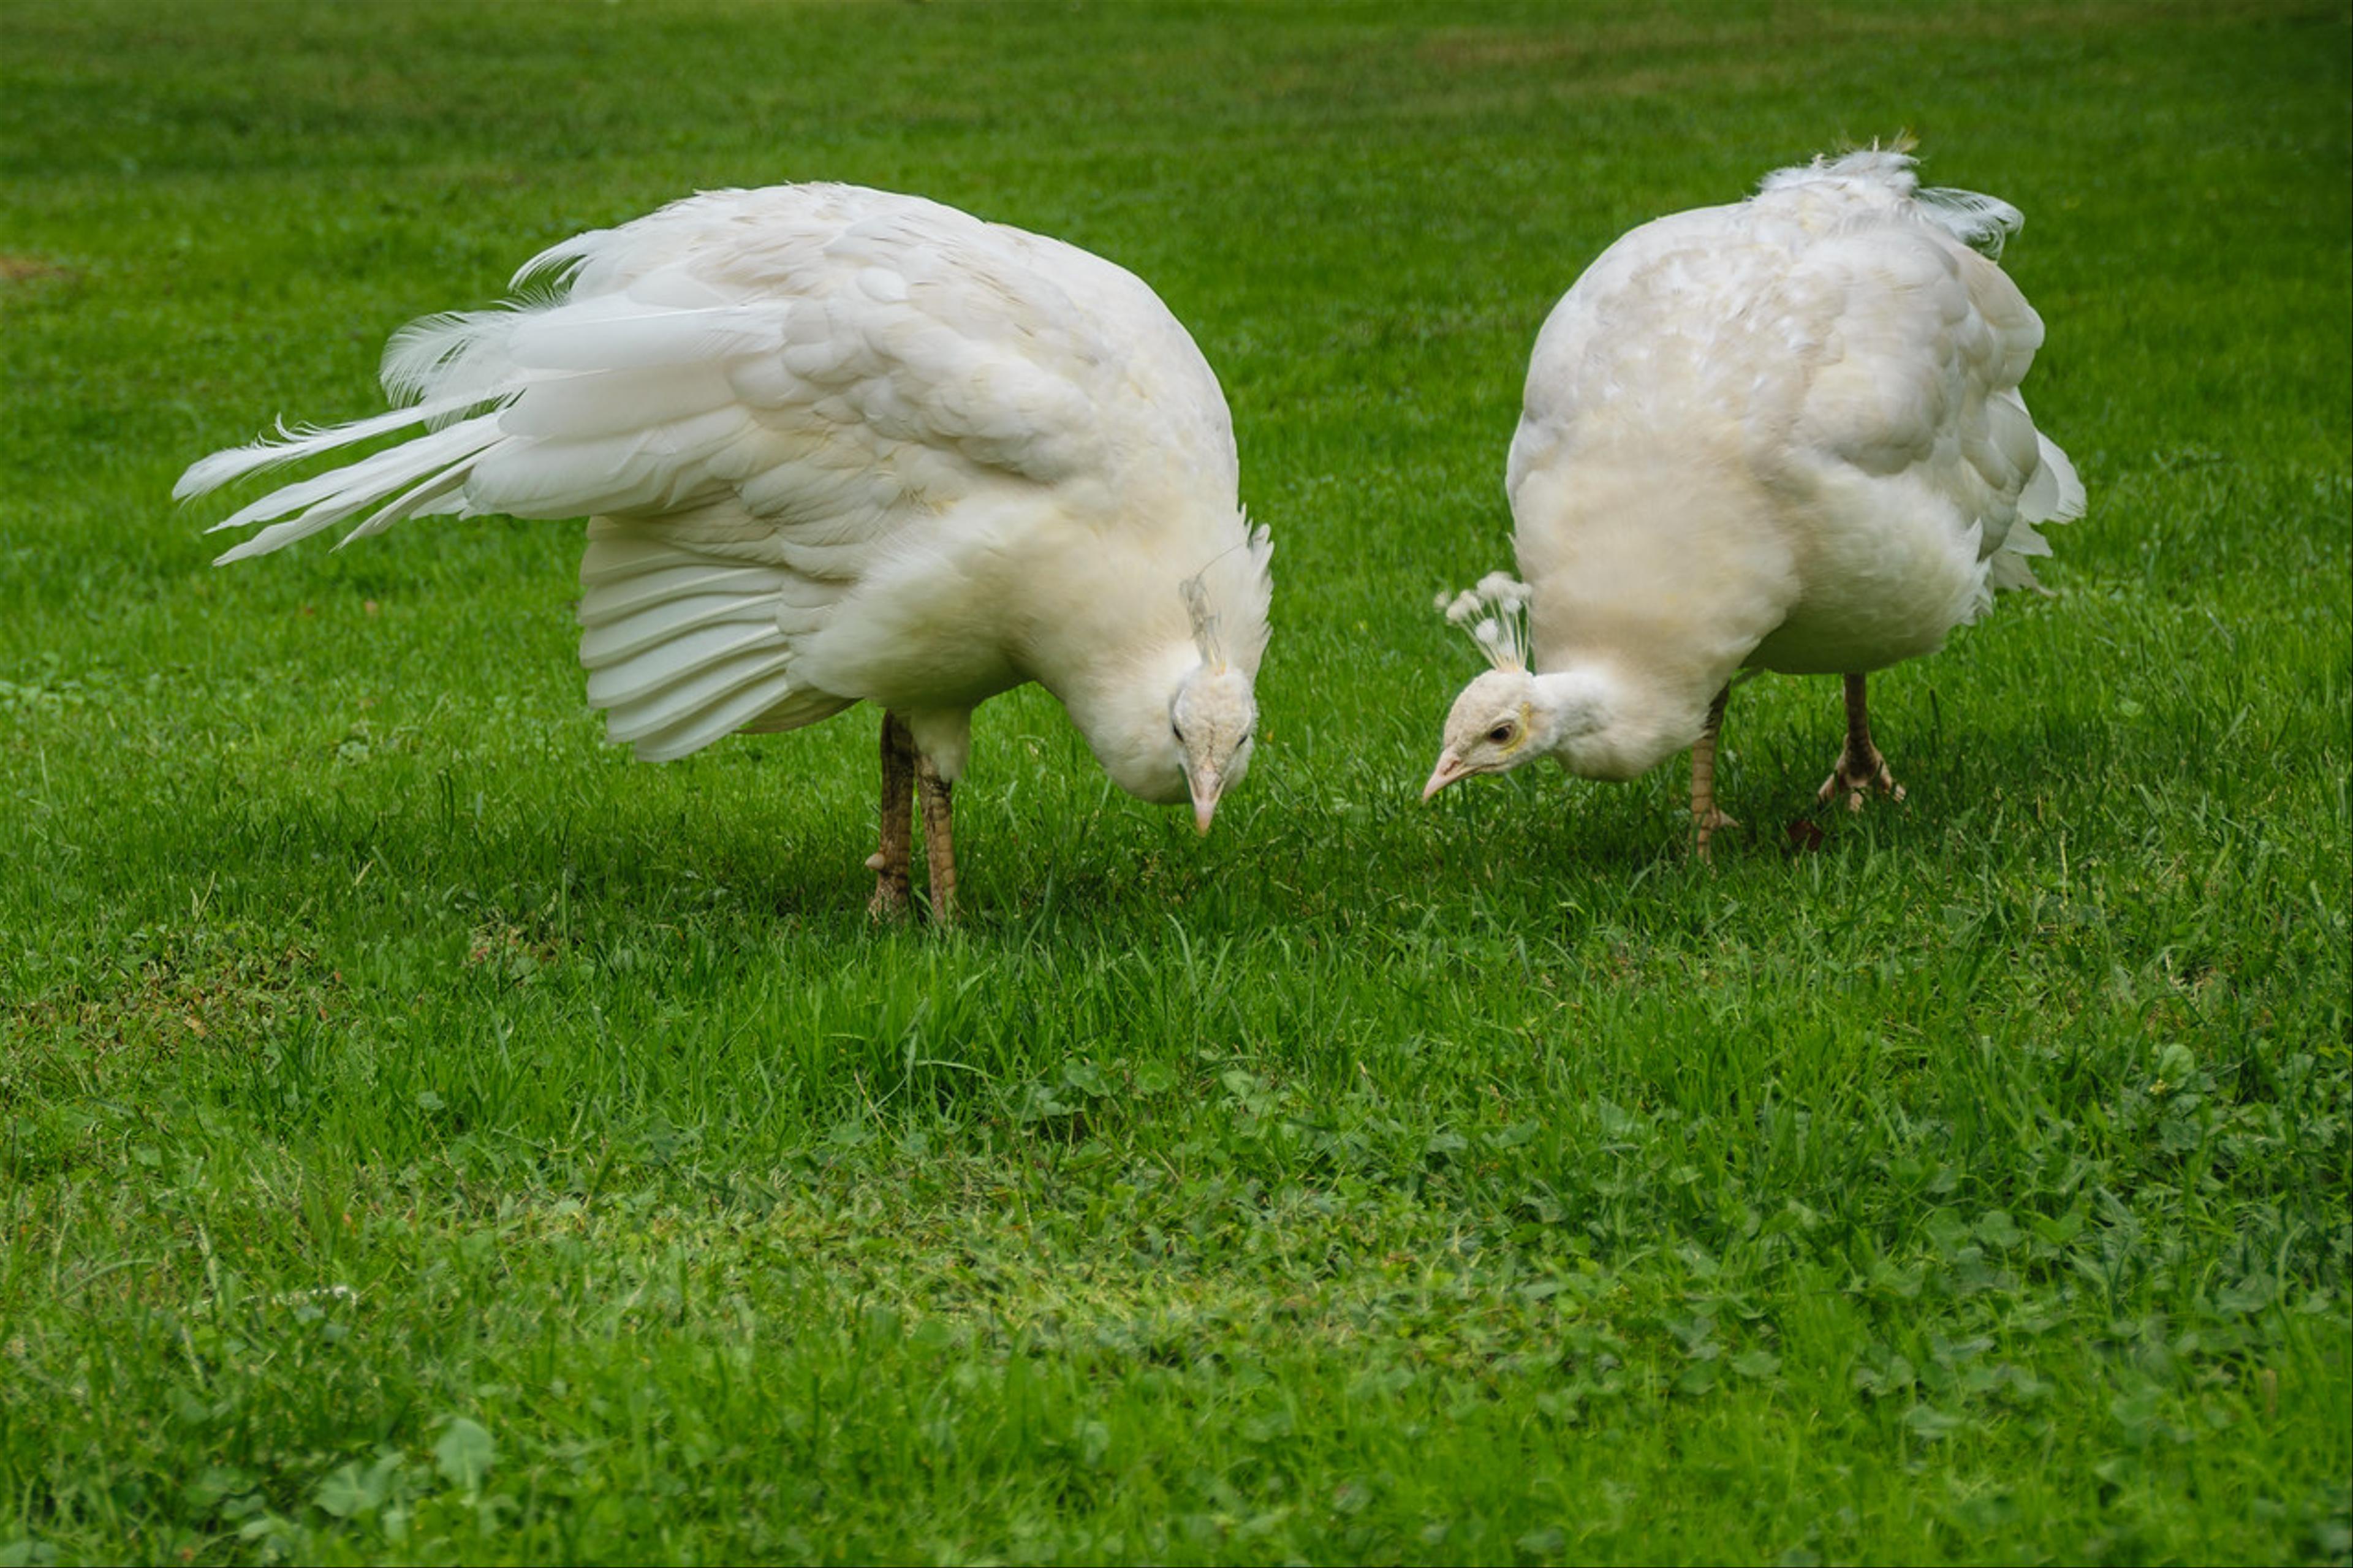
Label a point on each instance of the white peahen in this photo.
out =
(837, 446)
(1782, 435)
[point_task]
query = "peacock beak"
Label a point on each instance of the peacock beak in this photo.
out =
(1450, 768)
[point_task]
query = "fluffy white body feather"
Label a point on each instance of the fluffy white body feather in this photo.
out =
(1784, 435)
(835, 445)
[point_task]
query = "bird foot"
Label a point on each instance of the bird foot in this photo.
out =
(892, 892)
(1703, 826)
(1860, 772)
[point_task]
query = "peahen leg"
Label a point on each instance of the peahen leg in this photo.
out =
(891, 863)
(1705, 819)
(939, 838)
(1860, 766)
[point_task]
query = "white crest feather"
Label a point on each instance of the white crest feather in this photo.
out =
(1496, 615)
(1205, 619)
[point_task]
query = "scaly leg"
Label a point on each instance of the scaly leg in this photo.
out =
(893, 873)
(1860, 766)
(939, 839)
(1705, 819)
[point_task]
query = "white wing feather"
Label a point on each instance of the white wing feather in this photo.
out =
(761, 397)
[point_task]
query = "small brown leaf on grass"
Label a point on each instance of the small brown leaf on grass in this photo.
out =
(30, 268)
(1805, 834)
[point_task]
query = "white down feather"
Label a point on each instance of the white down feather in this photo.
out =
(835, 445)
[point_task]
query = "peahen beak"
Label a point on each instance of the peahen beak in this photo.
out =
(1450, 768)
(1207, 784)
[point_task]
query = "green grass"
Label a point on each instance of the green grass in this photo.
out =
(425, 1134)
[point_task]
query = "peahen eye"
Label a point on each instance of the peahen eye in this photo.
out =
(1500, 734)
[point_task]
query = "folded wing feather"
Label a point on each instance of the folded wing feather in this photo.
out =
(753, 395)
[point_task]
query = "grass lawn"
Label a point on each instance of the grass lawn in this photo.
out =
(426, 1134)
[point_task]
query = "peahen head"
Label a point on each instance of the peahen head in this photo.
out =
(1176, 725)
(1180, 732)
(1492, 728)
(1512, 715)
(1494, 725)
(1213, 718)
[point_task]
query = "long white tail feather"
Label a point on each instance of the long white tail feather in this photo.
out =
(416, 472)
(624, 337)
(563, 479)
(687, 405)
(558, 267)
(492, 353)
(423, 500)
(289, 446)
(372, 478)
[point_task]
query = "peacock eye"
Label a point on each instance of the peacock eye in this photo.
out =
(1500, 734)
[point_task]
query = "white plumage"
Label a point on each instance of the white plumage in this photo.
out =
(1782, 435)
(837, 445)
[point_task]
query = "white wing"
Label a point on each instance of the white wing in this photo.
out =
(757, 395)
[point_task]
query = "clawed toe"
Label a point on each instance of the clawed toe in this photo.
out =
(1861, 769)
(894, 891)
(1857, 776)
(1703, 826)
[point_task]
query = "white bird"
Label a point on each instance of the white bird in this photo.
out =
(839, 445)
(1781, 435)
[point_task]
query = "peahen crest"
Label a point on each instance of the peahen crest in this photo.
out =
(1496, 615)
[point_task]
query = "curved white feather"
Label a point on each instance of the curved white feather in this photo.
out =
(840, 444)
